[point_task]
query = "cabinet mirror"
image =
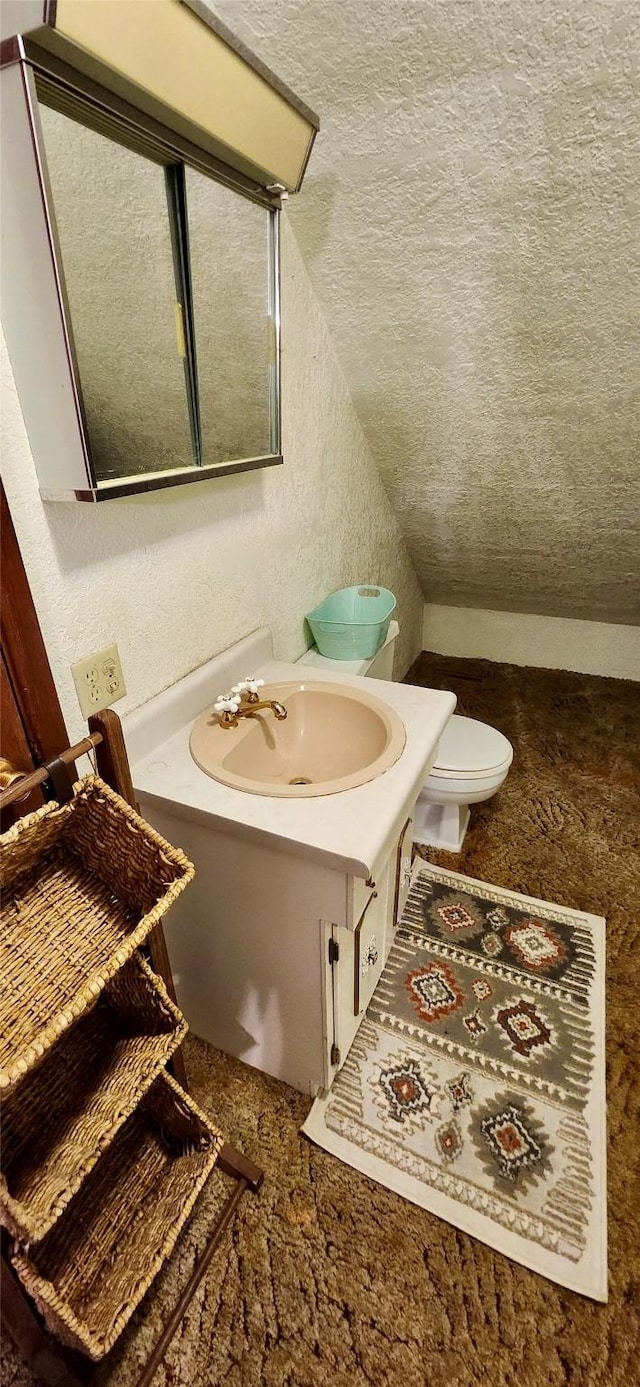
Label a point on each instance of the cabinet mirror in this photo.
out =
(168, 281)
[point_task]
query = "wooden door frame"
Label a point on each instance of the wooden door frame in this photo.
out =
(25, 656)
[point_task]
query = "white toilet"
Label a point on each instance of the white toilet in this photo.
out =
(471, 762)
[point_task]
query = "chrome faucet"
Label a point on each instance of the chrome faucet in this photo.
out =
(243, 701)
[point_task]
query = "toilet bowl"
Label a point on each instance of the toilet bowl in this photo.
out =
(471, 762)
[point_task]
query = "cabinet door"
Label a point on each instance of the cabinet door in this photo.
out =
(360, 960)
(369, 951)
(375, 907)
(403, 872)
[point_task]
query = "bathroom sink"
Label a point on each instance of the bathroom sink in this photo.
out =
(334, 738)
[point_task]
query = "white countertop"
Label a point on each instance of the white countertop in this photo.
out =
(349, 831)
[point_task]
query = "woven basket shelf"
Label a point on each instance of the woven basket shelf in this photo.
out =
(95, 1265)
(83, 886)
(63, 1115)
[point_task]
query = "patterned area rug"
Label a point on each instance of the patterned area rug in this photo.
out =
(475, 1086)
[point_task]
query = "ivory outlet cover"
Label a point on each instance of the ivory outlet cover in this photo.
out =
(99, 680)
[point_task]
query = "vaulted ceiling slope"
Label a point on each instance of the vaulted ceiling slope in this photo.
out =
(470, 223)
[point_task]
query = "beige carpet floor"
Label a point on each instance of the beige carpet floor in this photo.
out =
(327, 1278)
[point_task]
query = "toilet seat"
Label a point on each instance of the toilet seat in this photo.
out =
(439, 774)
(471, 750)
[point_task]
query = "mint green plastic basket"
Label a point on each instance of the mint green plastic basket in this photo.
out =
(352, 623)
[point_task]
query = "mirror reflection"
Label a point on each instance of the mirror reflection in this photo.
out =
(229, 273)
(168, 283)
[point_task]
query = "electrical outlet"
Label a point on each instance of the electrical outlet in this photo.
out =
(99, 680)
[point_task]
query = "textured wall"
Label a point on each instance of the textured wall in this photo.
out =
(469, 225)
(178, 575)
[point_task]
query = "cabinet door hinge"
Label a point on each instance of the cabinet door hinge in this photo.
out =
(335, 1055)
(334, 951)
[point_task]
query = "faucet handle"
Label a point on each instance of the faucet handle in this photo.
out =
(248, 685)
(227, 703)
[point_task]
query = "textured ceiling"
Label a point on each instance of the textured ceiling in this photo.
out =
(469, 226)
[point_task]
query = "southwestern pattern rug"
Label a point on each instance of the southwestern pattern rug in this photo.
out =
(475, 1085)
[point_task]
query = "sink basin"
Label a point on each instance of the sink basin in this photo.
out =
(334, 738)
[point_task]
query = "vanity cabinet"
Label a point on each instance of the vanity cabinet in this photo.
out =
(275, 955)
(292, 912)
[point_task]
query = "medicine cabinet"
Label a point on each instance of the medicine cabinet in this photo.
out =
(141, 298)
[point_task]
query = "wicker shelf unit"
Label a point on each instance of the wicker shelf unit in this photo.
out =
(104, 1153)
(57, 1122)
(95, 1265)
(87, 882)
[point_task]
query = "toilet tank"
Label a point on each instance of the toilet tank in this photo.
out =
(380, 666)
